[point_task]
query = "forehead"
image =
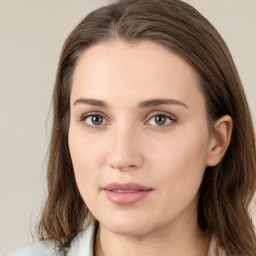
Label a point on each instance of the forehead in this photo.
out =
(134, 70)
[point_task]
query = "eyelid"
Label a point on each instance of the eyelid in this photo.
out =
(95, 113)
(162, 113)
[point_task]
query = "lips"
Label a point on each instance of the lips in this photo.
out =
(126, 193)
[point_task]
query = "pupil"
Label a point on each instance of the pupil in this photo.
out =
(96, 120)
(160, 120)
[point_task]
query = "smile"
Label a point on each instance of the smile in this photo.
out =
(126, 194)
(125, 191)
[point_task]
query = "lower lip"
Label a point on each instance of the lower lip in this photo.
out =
(129, 198)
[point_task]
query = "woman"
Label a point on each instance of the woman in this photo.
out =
(153, 148)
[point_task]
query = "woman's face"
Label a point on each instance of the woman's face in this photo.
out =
(138, 137)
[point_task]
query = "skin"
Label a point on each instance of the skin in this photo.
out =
(129, 145)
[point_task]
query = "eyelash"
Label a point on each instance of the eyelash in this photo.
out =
(168, 116)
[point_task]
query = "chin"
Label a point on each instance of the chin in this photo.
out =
(127, 230)
(127, 226)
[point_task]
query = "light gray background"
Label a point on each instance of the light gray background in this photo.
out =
(31, 36)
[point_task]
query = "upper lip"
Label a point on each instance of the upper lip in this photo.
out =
(125, 186)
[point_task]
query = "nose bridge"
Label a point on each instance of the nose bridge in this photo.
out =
(124, 150)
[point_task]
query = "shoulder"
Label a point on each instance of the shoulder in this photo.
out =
(214, 249)
(82, 244)
(40, 248)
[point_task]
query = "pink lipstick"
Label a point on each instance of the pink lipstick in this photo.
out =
(126, 193)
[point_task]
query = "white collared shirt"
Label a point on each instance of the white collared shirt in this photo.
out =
(81, 245)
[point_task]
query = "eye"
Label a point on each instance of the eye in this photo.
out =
(161, 120)
(94, 120)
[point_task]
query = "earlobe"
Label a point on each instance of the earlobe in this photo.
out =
(220, 140)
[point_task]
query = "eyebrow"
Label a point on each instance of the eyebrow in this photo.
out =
(143, 104)
(158, 102)
(92, 102)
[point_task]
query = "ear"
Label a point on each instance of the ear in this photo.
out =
(220, 139)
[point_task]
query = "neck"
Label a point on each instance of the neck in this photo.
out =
(172, 241)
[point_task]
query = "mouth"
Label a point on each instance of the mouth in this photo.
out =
(126, 193)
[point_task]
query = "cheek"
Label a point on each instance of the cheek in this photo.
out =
(85, 157)
(85, 150)
(181, 162)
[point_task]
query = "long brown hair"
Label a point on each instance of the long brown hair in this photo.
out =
(227, 188)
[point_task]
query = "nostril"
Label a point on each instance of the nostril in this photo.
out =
(123, 167)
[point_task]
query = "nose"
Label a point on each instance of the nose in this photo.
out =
(125, 152)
